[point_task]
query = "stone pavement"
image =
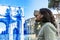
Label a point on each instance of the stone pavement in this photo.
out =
(26, 37)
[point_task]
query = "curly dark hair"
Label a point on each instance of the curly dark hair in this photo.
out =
(47, 16)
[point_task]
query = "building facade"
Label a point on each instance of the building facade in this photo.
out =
(57, 18)
(11, 23)
(29, 29)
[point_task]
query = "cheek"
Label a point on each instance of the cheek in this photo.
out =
(38, 18)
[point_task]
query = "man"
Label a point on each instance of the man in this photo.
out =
(31, 26)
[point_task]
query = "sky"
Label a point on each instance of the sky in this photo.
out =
(32, 5)
(28, 5)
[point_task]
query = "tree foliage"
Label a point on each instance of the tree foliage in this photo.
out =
(53, 3)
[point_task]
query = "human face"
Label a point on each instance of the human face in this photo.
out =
(38, 16)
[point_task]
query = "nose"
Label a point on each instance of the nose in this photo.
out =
(36, 18)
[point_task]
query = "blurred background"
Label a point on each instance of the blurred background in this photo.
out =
(17, 19)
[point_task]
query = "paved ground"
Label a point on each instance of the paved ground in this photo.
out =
(27, 37)
(6, 37)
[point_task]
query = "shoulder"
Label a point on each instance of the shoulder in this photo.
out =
(50, 26)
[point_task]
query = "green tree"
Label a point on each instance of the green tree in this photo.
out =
(53, 3)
